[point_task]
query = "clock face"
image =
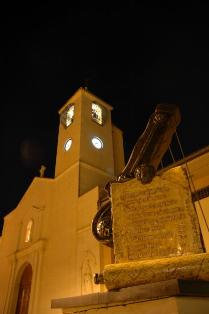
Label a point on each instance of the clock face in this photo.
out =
(67, 115)
(68, 144)
(97, 142)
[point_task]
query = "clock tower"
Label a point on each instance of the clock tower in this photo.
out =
(88, 142)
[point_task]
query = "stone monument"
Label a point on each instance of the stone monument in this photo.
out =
(155, 220)
(156, 233)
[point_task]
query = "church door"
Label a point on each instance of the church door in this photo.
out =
(24, 291)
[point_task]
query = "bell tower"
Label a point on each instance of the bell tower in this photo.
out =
(87, 140)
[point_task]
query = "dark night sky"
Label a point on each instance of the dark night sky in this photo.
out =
(132, 56)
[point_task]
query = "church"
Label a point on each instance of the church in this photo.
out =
(47, 250)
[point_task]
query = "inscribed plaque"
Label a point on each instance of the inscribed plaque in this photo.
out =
(154, 220)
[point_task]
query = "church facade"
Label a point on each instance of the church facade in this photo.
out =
(47, 240)
(47, 250)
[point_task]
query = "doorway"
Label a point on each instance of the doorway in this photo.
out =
(24, 291)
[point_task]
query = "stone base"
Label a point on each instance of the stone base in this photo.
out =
(167, 297)
(189, 267)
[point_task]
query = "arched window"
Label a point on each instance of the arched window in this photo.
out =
(28, 231)
(96, 113)
(67, 116)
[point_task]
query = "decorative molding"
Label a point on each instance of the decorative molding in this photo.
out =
(39, 245)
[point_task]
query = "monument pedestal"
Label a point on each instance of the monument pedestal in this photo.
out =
(188, 267)
(166, 297)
